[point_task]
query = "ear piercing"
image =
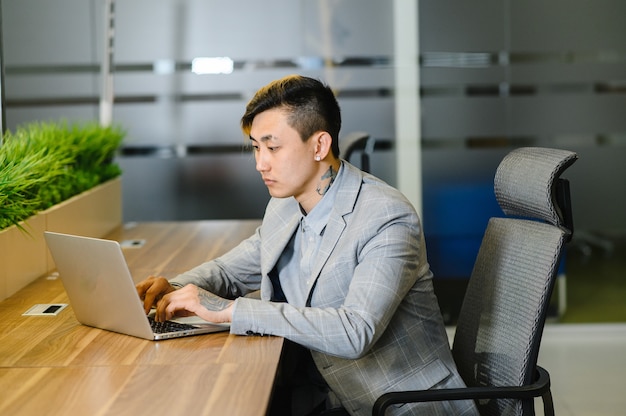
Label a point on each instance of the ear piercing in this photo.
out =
(318, 158)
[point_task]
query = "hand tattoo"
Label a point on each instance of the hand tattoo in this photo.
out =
(212, 302)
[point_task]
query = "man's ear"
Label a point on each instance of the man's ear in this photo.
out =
(323, 143)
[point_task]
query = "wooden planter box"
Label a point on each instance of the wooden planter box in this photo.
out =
(24, 256)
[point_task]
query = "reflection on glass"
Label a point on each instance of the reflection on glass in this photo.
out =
(217, 65)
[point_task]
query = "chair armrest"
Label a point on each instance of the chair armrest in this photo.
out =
(541, 387)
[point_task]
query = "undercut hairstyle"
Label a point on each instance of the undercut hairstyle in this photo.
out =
(310, 104)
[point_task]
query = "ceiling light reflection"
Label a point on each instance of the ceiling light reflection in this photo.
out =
(217, 65)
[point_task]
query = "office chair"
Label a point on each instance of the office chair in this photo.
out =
(498, 334)
(354, 141)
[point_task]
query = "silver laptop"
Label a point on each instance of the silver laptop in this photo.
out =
(102, 292)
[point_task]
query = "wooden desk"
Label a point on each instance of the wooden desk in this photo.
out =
(54, 365)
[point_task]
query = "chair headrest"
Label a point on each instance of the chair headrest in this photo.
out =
(352, 141)
(525, 182)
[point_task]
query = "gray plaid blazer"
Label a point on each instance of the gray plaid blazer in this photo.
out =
(372, 322)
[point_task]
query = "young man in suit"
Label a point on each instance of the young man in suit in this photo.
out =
(341, 265)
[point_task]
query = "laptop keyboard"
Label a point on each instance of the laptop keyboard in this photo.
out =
(167, 326)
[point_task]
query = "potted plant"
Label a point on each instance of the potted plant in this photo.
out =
(54, 176)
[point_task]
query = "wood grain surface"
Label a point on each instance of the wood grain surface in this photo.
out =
(52, 365)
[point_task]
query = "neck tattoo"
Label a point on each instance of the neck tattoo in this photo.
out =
(327, 179)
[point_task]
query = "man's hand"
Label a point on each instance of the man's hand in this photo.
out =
(192, 300)
(152, 290)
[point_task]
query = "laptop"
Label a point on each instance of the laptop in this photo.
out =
(102, 292)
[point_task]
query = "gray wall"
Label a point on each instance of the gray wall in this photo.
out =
(494, 77)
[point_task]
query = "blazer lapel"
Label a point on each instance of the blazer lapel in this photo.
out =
(349, 188)
(277, 232)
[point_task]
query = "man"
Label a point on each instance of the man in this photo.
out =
(340, 262)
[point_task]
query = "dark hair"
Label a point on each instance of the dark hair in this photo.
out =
(311, 104)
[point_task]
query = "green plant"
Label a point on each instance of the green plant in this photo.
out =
(42, 164)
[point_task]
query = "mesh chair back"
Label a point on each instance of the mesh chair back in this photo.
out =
(501, 321)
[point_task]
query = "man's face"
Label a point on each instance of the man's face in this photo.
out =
(286, 163)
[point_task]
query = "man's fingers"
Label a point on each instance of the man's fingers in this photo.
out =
(151, 290)
(177, 303)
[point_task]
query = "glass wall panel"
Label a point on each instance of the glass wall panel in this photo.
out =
(512, 74)
(494, 77)
(183, 73)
